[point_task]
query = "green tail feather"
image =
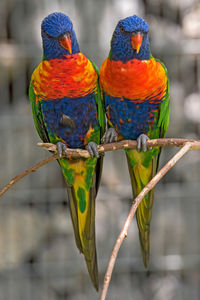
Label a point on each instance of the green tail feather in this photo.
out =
(73, 211)
(142, 167)
(82, 187)
(143, 215)
(88, 244)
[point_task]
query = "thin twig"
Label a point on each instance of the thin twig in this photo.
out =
(188, 146)
(26, 172)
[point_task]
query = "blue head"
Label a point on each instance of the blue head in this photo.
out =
(130, 40)
(58, 36)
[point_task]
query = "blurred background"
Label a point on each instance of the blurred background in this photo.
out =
(38, 256)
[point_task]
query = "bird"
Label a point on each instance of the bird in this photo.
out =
(67, 110)
(135, 87)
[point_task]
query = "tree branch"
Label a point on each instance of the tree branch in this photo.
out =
(34, 168)
(76, 153)
(125, 144)
(188, 146)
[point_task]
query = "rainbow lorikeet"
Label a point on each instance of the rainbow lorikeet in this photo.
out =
(136, 91)
(67, 109)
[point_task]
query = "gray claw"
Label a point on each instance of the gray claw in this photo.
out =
(109, 136)
(92, 149)
(61, 147)
(142, 142)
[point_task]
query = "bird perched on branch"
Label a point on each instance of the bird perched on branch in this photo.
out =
(67, 110)
(136, 91)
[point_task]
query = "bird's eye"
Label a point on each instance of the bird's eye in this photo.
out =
(48, 35)
(122, 29)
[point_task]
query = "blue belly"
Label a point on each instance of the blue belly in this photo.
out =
(131, 119)
(83, 113)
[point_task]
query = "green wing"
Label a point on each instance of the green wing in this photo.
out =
(163, 121)
(101, 119)
(99, 102)
(37, 115)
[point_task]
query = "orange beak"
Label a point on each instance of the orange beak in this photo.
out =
(136, 41)
(66, 43)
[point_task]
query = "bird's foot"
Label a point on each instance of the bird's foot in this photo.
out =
(61, 148)
(109, 136)
(142, 142)
(92, 149)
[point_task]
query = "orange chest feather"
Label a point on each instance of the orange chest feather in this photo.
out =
(134, 80)
(73, 77)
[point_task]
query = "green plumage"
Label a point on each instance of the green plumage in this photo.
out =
(142, 168)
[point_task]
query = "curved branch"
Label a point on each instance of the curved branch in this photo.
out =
(34, 168)
(188, 146)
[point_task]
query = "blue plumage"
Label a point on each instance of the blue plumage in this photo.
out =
(53, 26)
(82, 112)
(130, 118)
(134, 23)
(56, 24)
(120, 44)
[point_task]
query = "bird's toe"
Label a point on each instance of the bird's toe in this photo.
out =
(61, 148)
(142, 142)
(92, 149)
(109, 136)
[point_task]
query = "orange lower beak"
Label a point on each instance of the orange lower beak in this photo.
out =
(66, 43)
(136, 41)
